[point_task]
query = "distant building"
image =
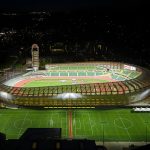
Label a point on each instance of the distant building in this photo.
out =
(58, 47)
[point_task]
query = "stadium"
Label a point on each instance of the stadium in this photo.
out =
(85, 85)
(92, 100)
(75, 85)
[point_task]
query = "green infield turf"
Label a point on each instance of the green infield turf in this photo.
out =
(61, 81)
(110, 125)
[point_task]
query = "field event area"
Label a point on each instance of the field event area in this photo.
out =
(110, 124)
(61, 81)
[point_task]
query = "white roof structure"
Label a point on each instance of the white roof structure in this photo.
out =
(141, 109)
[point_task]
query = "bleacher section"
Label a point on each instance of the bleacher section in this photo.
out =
(126, 71)
(74, 67)
(134, 74)
(124, 74)
(75, 73)
(92, 70)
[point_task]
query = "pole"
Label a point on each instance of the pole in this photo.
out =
(103, 133)
(146, 133)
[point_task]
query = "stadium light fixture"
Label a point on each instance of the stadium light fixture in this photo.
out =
(69, 96)
(5, 95)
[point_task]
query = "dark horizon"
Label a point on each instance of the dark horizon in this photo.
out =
(66, 5)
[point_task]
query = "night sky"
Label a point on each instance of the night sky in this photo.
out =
(67, 4)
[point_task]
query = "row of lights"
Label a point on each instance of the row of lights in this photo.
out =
(67, 107)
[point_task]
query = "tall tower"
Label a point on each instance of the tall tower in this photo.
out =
(35, 57)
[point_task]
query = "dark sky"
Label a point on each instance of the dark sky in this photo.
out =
(52, 4)
(67, 4)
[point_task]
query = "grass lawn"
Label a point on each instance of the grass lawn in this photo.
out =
(61, 81)
(14, 122)
(112, 125)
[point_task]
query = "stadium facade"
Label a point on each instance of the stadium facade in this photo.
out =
(133, 81)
